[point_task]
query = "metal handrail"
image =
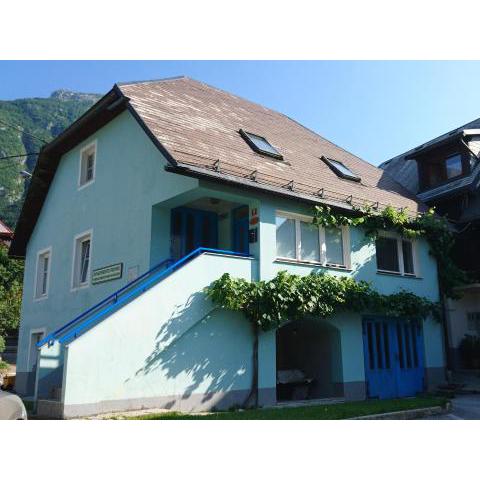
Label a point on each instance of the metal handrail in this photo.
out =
(115, 300)
(111, 298)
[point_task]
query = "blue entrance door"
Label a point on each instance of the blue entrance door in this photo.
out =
(393, 357)
(240, 229)
(191, 229)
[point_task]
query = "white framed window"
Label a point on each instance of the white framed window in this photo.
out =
(88, 160)
(396, 255)
(42, 274)
(82, 254)
(298, 240)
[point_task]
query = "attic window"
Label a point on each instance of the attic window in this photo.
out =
(260, 145)
(340, 169)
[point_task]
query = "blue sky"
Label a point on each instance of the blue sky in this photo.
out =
(373, 109)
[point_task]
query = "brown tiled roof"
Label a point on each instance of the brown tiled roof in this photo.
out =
(195, 126)
(199, 124)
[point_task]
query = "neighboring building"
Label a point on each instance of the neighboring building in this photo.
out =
(11, 340)
(445, 173)
(6, 234)
(157, 169)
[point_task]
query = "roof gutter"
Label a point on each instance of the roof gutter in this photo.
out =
(445, 141)
(245, 183)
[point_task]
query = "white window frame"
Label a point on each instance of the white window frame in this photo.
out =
(40, 254)
(77, 241)
(401, 266)
(33, 331)
(83, 151)
(297, 218)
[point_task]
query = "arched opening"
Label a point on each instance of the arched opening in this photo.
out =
(309, 361)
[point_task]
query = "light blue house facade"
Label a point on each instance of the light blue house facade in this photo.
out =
(152, 174)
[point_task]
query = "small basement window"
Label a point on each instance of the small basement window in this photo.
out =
(260, 145)
(340, 169)
(87, 165)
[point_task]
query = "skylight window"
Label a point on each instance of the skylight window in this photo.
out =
(260, 144)
(340, 169)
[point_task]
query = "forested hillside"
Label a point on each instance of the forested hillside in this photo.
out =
(25, 125)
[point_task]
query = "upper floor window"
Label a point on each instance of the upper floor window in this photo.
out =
(453, 166)
(297, 239)
(87, 165)
(81, 260)
(260, 145)
(395, 255)
(42, 277)
(440, 169)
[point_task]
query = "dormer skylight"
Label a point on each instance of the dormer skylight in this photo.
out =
(340, 169)
(260, 145)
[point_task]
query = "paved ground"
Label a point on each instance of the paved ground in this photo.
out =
(465, 407)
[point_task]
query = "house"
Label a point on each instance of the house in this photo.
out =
(154, 193)
(6, 234)
(445, 173)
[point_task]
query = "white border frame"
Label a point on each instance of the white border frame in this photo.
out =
(81, 185)
(401, 272)
(33, 331)
(321, 239)
(73, 287)
(39, 253)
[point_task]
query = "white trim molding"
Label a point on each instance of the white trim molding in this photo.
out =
(401, 265)
(91, 146)
(73, 282)
(297, 218)
(32, 332)
(41, 253)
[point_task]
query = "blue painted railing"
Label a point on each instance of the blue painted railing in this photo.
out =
(122, 296)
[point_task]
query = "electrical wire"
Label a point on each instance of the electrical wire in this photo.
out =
(18, 156)
(23, 131)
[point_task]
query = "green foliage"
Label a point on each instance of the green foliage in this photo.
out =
(45, 118)
(291, 297)
(435, 229)
(11, 277)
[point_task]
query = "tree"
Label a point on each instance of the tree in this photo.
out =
(11, 278)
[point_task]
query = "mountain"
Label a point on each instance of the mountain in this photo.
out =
(25, 124)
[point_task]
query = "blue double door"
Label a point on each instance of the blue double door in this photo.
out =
(393, 352)
(192, 228)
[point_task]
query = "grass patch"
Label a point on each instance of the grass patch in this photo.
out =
(314, 412)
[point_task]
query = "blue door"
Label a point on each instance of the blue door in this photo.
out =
(240, 230)
(191, 229)
(393, 357)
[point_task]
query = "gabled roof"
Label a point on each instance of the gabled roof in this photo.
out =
(197, 126)
(404, 169)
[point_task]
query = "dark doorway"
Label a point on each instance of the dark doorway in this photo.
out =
(191, 229)
(309, 361)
